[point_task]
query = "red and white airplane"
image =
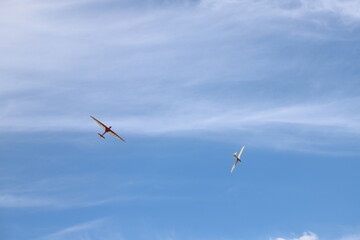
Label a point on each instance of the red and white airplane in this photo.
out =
(237, 158)
(106, 129)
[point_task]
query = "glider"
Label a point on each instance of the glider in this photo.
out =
(106, 129)
(237, 158)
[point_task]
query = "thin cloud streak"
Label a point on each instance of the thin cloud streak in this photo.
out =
(76, 228)
(57, 193)
(86, 231)
(18, 201)
(11, 201)
(201, 117)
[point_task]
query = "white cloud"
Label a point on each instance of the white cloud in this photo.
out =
(313, 236)
(305, 236)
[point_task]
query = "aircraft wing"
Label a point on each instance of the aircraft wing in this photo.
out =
(113, 133)
(233, 167)
(241, 151)
(98, 122)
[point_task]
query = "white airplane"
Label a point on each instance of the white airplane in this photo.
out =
(237, 158)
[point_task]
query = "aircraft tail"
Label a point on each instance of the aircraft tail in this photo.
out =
(101, 136)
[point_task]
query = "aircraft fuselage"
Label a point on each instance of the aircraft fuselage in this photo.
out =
(107, 129)
(237, 158)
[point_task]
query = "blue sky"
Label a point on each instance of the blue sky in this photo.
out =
(186, 83)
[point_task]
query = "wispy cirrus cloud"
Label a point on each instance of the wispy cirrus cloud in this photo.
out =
(295, 8)
(165, 68)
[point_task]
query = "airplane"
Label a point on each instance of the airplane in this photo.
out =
(237, 158)
(106, 129)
